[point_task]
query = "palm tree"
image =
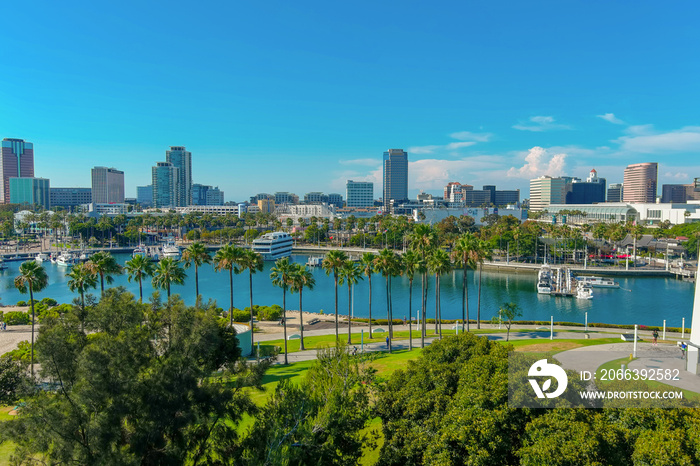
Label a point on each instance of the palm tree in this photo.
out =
(81, 279)
(227, 258)
(423, 239)
(351, 273)
(167, 273)
(464, 254)
(386, 263)
(483, 252)
(440, 264)
(411, 261)
(138, 268)
(301, 278)
(196, 254)
(105, 265)
(252, 262)
(368, 268)
(333, 262)
(281, 275)
(32, 277)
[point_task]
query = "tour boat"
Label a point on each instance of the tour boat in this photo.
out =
(170, 249)
(273, 246)
(598, 282)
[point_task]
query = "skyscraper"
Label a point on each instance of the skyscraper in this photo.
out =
(182, 160)
(31, 191)
(16, 161)
(107, 186)
(615, 192)
(166, 185)
(546, 190)
(640, 182)
(144, 195)
(395, 171)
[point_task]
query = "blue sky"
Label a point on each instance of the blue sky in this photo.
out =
(300, 96)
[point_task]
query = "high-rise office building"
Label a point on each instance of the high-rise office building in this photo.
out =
(16, 161)
(182, 160)
(206, 195)
(68, 198)
(359, 193)
(591, 191)
(107, 186)
(335, 199)
(31, 191)
(395, 177)
(615, 192)
(266, 206)
(166, 185)
(679, 193)
(546, 190)
(640, 182)
(144, 195)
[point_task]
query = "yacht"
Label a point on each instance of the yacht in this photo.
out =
(170, 249)
(598, 282)
(84, 256)
(42, 257)
(273, 246)
(583, 291)
(315, 261)
(66, 259)
(544, 280)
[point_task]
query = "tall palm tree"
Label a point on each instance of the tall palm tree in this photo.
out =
(333, 262)
(252, 262)
(32, 277)
(167, 273)
(351, 273)
(301, 278)
(281, 275)
(138, 268)
(423, 239)
(411, 261)
(386, 264)
(228, 258)
(81, 279)
(196, 254)
(105, 265)
(464, 254)
(368, 269)
(483, 252)
(440, 264)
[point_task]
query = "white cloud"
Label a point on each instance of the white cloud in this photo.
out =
(424, 149)
(538, 162)
(459, 145)
(359, 162)
(469, 136)
(541, 123)
(430, 174)
(644, 140)
(610, 117)
(677, 176)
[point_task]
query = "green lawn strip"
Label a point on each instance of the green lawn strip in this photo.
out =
(653, 384)
(6, 448)
(565, 343)
(370, 453)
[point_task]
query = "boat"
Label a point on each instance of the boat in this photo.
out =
(139, 251)
(544, 280)
(170, 249)
(66, 259)
(315, 261)
(42, 257)
(584, 291)
(84, 256)
(598, 282)
(275, 245)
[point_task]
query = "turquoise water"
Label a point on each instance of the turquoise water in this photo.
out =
(649, 301)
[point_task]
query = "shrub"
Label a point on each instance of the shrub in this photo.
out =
(17, 318)
(273, 312)
(50, 302)
(241, 316)
(22, 303)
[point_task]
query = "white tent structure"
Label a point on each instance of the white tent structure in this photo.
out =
(694, 346)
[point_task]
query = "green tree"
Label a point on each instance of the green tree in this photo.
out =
(439, 264)
(81, 279)
(464, 254)
(105, 265)
(332, 263)
(228, 258)
(32, 278)
(387, 264)
(12, 380)
(138, 268)
(368, 268)
(350, 274)
(302, 278)
(507, 314)
(196, 254)
(252, 262)
(166, 273)
(281, 275)
(483, 252)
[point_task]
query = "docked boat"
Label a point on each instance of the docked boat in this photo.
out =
(273, 246)
(42, 257)
(544, 280)
(598, 282)
(315, 261)
(583, 291)
(170, 249)
(139, 251)
(66, 259)
(84, 256)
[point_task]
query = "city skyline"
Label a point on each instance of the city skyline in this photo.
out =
(475, 94)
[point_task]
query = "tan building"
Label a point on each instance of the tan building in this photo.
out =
(640, 182)
(546, 190)
(266, 206)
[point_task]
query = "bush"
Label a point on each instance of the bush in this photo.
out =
(22, 303)
(17, 318)
(241, 316)
(273, 312)
(50, 302)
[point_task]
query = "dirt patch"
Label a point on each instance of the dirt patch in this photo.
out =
(544, 347)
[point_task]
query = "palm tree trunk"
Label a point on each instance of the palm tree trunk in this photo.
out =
(410, 305)
(388, 310)
(284, 322)
(464, 296)
(230, 311)
(478, 302)
(168, 290)
(251, 309)
(102, 284)
(425, 304)
(31, 300)
(337, 336)
(301, 321)
(422, 317)
(437, 298)
(349, 313)
(369, 279)
(140, 291)
(440, 307)
(196, 280)
(391, 313)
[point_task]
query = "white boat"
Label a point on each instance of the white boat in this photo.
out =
(584, 291)
(42, 257)
(273, 246)
(84, 256)
(315, 261)
(66, 259)
(598, 282)
(139, 251)
(544, 280)
(170, 249)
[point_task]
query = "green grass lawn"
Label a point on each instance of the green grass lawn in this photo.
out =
(652, 384)
(7, 448)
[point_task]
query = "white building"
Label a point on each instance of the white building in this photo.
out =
(359, 193)
(616, 212)
(433, 216)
